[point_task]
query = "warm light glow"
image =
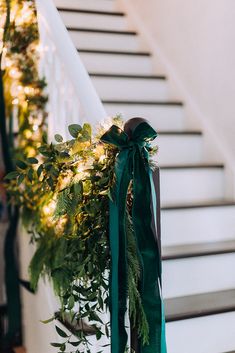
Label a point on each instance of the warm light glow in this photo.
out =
(15, 101)
(49, 208)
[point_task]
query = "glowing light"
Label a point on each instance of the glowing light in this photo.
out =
(28, 133)
(15, 101)
(14, 73)
(15, 89)
(49, 209)
(29, 90)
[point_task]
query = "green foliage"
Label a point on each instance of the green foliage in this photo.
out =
(66, 197)
(136, 309)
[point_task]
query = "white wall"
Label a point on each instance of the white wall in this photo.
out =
(198, 40)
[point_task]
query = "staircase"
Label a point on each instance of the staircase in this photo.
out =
(198, 221)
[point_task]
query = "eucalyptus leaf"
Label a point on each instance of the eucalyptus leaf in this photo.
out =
(58, 138)
(74, 130)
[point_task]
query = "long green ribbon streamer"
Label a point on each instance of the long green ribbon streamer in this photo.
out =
(132, 164)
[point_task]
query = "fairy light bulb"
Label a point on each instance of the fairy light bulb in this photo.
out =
(49, 208)
(15, 89)
(29, 90)
(15, 101)
(14, 73)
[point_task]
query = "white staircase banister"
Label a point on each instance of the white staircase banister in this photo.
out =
(50, 24)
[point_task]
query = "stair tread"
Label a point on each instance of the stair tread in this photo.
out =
(185, 132)
(193, 166)
(91, 12)
(170, 103)
(219, 203)
(147, 77)
(201, 249)
(103, 31)
(198, 305)
(96, 51)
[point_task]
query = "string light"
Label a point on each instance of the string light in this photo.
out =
(24, 96)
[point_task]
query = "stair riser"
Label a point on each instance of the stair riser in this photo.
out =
(160, 117)
(82, 20)
(100, 41)
(208, 334)
(178, 150)
(117, 64)
(197, 225)
(130, 89)
(191, 185)
(101, 5)
(198, 275)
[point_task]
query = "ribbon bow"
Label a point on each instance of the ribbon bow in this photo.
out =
(132, 164)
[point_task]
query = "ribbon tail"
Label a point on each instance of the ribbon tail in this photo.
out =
(118, 290)
(155, 192)
(150, 291)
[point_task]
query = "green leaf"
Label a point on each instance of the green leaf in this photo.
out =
(75, 344)
(30, 174)
(39, 170)
(20, 179)
(56, 344)
(74, 130)
(87, 128)
(11, 175)
(21, 164)
(61, 332)
(71, 302)
(58, 138)
(32, 160)
(107, 331)
(62, 347)
(47, 321)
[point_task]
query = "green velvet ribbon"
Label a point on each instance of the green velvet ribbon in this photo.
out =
(132, 164)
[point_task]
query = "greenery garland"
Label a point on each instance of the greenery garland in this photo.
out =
(23, 123)
(24, 90)
(67, 197)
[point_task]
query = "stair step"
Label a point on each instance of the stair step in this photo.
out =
(180, 149)
(200, 305)
(101, 5)
(130, 87)
(223, 203)
(93, 19)
(191, 184)
(161, 116)
(198, 222)
(105, 40)
(180, 133)
(112, 52)
(194, 275)
(141, 77)
(113, 61)
(91, 12)
(197, 250)
(205, 334)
